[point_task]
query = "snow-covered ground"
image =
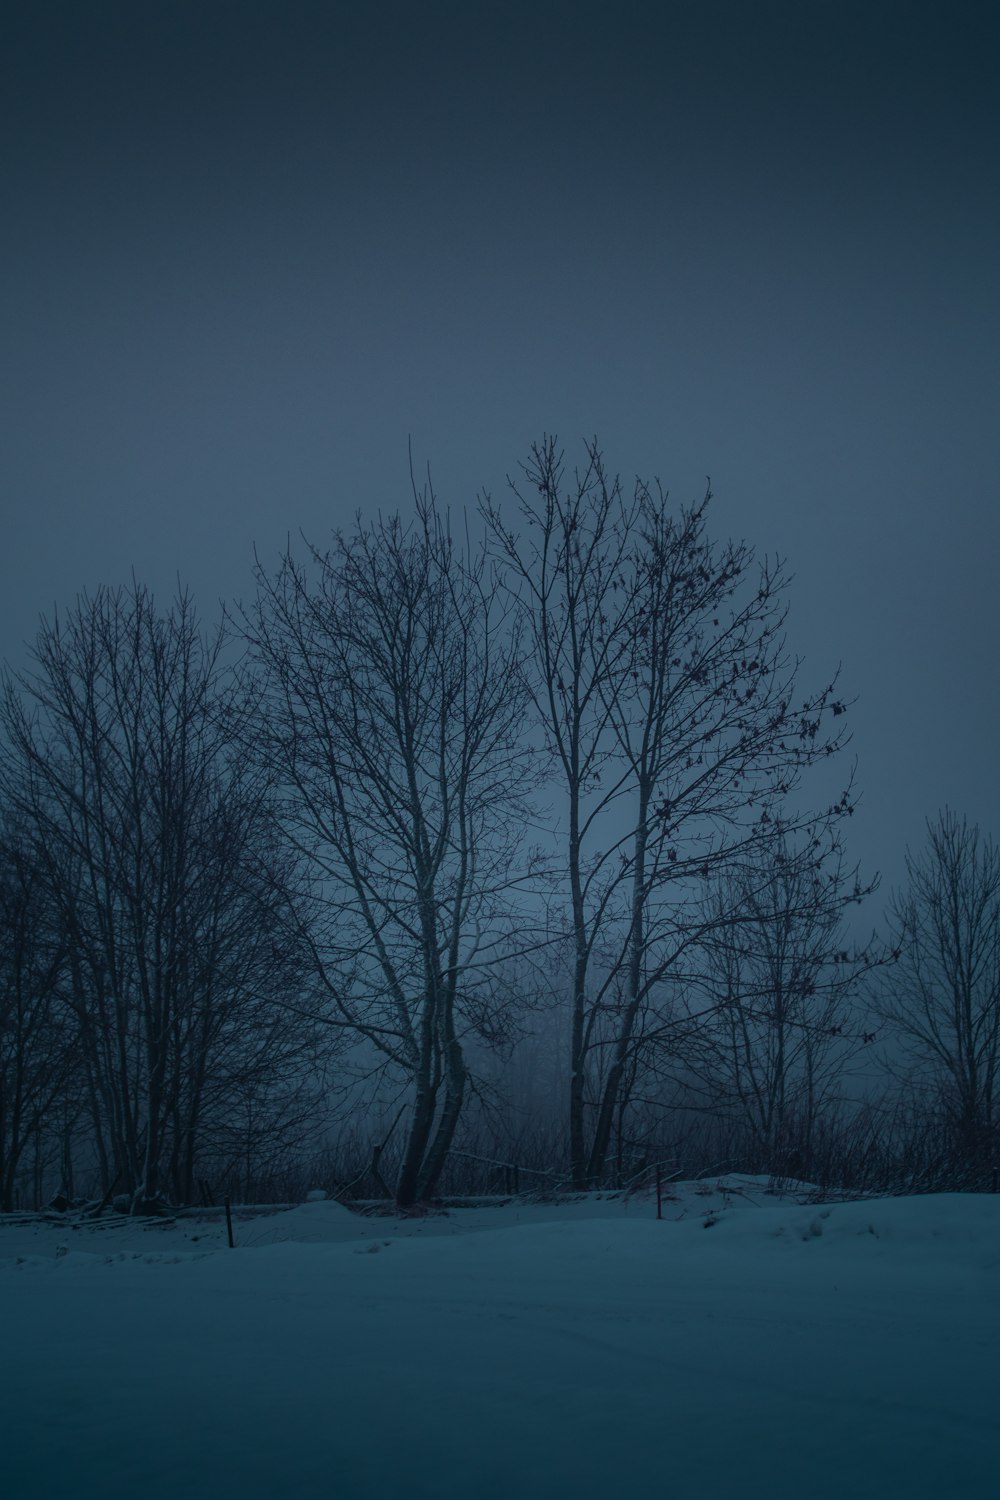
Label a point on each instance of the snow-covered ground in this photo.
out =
(746, 1346)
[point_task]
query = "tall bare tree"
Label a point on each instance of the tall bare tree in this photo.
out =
(943, 995)
(125, 760)
(664, 694)
(394, 719)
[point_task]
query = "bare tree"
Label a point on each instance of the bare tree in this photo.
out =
(781, 978)
(662, 688)
(245, 1031)
(394, 719)
(943, 995)
(124, 759)
(37, 1030)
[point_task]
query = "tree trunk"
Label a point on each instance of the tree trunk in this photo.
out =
(421, 1121)
(612, 1085)
(454, 1082)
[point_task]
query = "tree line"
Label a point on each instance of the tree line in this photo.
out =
(423, 793)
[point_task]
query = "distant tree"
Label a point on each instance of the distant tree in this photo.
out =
(124, 762)
(776, 1009)
(394, 721)
(664, 697)
(943, 995)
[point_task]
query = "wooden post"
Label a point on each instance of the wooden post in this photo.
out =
(229, 1224)
(659, 1191)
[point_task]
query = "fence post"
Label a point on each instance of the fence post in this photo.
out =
(229, 1224)
(659, 1191)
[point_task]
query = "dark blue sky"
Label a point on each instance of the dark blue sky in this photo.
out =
(250, 248)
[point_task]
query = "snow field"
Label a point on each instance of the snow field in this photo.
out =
(578, 1350)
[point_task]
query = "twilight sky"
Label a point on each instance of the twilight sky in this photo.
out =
(250, 247)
